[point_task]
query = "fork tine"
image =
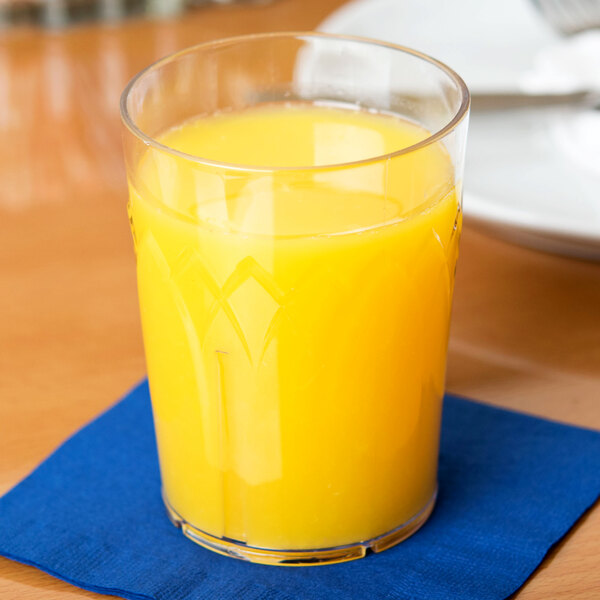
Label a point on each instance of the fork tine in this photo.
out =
(591, 8)
(551, 14)
(570, 16)
(566, 12)
(580, 11)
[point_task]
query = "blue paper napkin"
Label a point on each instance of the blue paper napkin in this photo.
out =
(510, 487)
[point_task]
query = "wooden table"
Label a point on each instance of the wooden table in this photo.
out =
(526, 325)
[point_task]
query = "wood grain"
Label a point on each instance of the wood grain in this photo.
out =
(526, 327)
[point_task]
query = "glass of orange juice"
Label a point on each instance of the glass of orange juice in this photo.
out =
(295, 202)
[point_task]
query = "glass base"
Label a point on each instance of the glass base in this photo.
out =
(297, 558)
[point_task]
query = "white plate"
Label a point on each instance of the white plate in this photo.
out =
(524, 177)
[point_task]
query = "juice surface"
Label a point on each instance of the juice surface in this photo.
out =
(296, 321)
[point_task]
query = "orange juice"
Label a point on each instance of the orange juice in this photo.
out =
(295, 320)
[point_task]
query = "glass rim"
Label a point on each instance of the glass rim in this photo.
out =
(432, 138)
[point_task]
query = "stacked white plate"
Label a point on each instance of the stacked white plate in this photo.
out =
(533, 175)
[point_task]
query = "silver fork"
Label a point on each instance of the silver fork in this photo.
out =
(570, 16)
